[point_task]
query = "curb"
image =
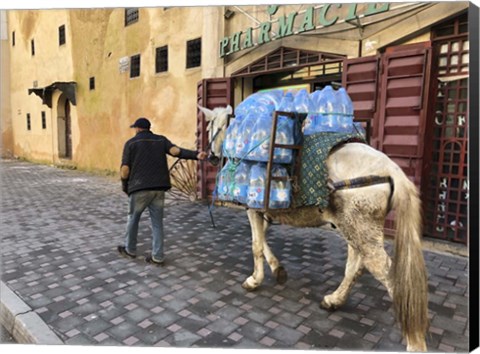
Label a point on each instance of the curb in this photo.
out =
(25, 326)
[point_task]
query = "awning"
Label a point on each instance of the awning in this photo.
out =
(45, 93)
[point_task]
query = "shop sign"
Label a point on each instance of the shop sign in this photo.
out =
(314, 18)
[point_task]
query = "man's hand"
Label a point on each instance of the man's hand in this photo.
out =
(124, 172)
(202, 155)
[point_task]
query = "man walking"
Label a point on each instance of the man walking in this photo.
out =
(145, 178)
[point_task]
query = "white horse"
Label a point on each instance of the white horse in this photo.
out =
(359, 215)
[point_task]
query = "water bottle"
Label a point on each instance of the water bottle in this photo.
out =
(246, 106)
(244, 135)
(259, 146)
(302, 102)
(241, 182)
(327, 121)
(284, 133)
(225, 182)
(310, 125)
(314, 97)
(346, 111)
(265, 103)
(280, 189)
(256, 187)
(271, 97)
(231, 138)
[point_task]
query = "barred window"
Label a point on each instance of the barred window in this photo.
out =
(194, 53)
(131, 15)
(32, 45)
(135, 65)
(92, 83)
(29, 122)
(161, 59)
(44, 120)
(61, 35)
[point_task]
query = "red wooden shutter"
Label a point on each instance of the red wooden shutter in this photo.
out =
(403, 106)
(403, 103)
(211, 93)
(360, 79)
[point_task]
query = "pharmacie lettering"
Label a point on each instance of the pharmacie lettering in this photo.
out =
(325, 16)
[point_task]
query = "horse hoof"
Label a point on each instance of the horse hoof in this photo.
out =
(326, 306)
(247, 286)
(281, 275)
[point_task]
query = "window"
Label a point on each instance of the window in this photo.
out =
(92, 83)
(135, 66)
(131, 16)
(32, 42)
(44, 120)
(161, 59)
(13, 39)
(61, 35)
(29, 122)
(194, 53)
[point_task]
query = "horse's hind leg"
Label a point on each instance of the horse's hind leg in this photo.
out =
(378, 263)
(353, 270)
(257, 224)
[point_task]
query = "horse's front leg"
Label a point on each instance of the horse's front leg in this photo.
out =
(278, 271)
(258, 242)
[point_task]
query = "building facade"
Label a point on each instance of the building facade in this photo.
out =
(80, 77)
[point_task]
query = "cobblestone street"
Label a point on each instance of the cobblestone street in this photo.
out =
(60, 229)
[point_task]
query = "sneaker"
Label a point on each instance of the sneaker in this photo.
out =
(151, 260)
(123, 251)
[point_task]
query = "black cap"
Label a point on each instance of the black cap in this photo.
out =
(142, 123)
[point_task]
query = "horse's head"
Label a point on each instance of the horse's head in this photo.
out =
(217, 125)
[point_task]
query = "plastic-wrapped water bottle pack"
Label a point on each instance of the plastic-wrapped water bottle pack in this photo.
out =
(247, 142)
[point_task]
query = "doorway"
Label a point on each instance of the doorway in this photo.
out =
(64, 128)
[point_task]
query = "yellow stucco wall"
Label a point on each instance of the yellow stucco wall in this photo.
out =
(167, 99)
(96, 39)
(49, 64)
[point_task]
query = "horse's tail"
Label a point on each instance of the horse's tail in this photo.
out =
(409, 275)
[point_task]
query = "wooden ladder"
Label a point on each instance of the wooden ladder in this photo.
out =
(295, 165)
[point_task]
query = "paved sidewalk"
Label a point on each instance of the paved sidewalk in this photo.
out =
(60, 229)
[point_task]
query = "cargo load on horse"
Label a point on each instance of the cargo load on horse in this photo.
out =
(301, 160)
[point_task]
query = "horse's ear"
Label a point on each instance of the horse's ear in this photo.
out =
(208, 113)
(229, 109)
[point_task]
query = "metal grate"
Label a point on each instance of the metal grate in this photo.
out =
(447, 196)
(135, 65)
(61, 35)
(447, 193)
(131, 15)
(161, 59)
(194, 53)
(44, 120)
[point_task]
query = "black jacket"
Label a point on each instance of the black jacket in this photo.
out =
(146, 156)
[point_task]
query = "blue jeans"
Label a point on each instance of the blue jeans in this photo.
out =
(138, 202)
